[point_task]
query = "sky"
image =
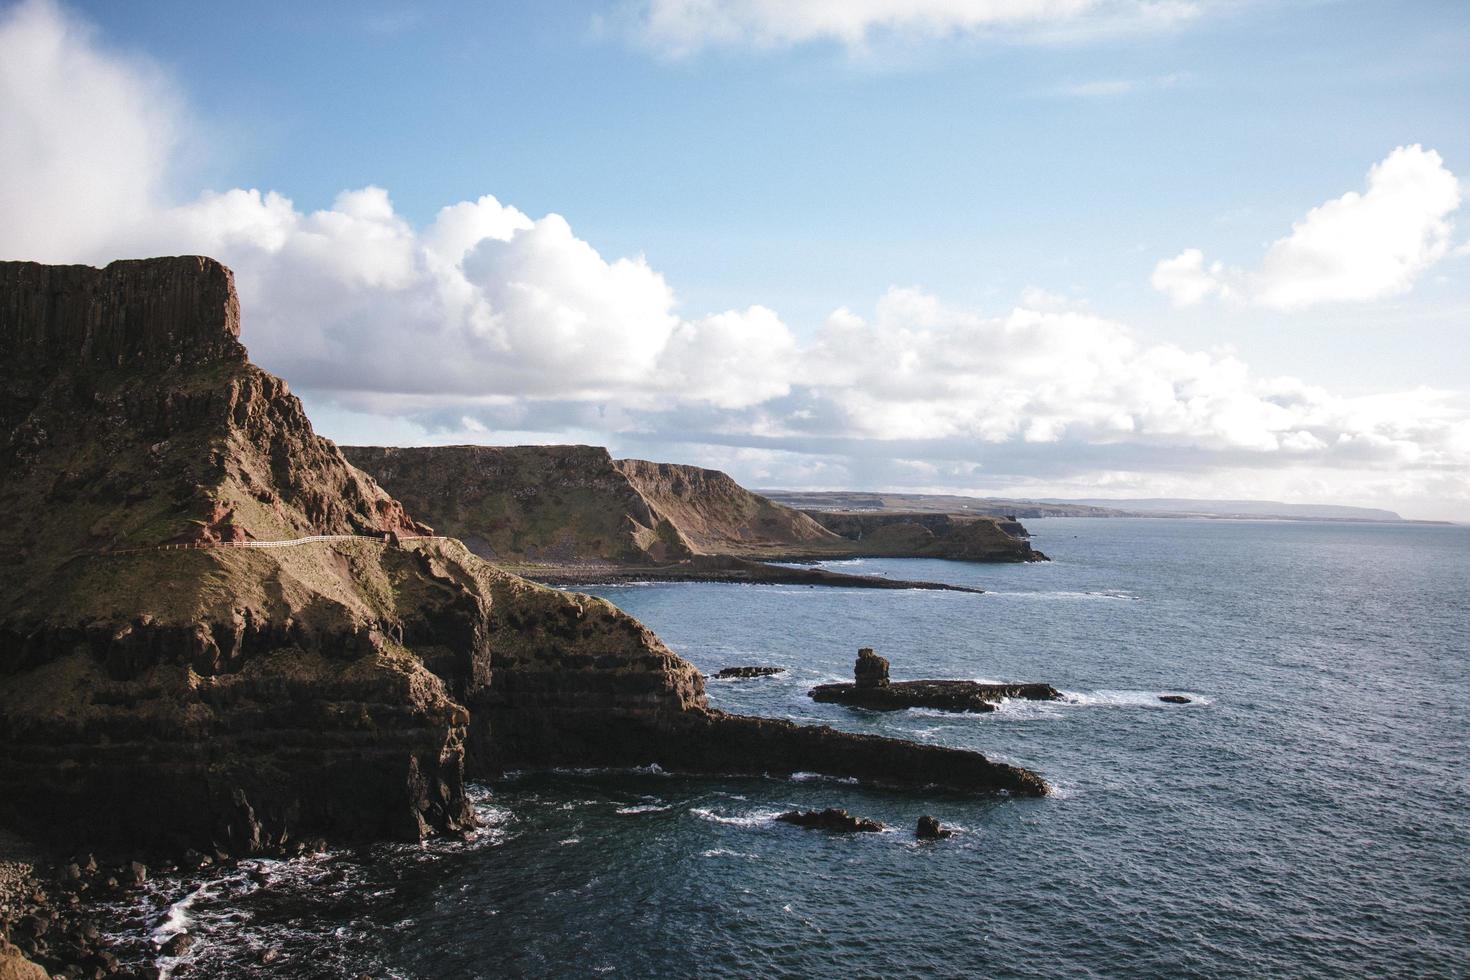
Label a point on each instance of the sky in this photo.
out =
(1067, 248)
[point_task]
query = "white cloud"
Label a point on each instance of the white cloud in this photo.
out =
(1354, 248)
(488, 322)
(681, 27)
(1105, 88)
(81, 131)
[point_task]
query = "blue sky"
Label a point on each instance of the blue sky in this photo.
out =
(773, 161)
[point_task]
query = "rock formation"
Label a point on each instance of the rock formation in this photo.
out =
(741, 673)
(898, 534)
(871, 670)
(872, 689)
(833, 819)
(552, 507)
(929, 829)
(198, 691)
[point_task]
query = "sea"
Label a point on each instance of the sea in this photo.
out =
(1307, 814)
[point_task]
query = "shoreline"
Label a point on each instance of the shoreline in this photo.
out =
(738, 571)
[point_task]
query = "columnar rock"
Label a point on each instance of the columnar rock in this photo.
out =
(870, 670)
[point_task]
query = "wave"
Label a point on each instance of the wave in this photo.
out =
(810, 777)
(1067, 594)
(756, 818)
(723, 852)
(645, 808)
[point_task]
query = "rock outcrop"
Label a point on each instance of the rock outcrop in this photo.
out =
(929, 829)
(833, 819)
(871, 670)
(157, 668)
(871, 688)
(742, 673)
(898, 534)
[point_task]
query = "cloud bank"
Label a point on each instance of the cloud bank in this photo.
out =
(1354, 248)
(488, 322)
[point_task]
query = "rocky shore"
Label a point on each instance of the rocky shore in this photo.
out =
(722, 568)
(220, 703)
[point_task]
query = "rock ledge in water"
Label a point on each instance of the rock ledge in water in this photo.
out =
(872, 689)
(742, 672)
(1175, 699)
(832, 819)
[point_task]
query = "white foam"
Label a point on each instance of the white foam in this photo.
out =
(645, 808)
(754, 819)
(1126, 699)
(722, 852)
(807, 777)
(1066, 594)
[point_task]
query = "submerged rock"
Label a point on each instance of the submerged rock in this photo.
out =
(839, 821)
(930, 829)
(1175, 699)
(741, 672)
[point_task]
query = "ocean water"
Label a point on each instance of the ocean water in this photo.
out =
(1307, 815)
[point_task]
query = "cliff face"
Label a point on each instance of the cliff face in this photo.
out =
(236, 695)
(576, 504)
(715, 514)
(227, 694)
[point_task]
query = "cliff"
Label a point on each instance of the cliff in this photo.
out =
(558, 506)
(576, 504)
(159, 667)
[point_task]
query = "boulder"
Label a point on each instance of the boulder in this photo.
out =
(930, 829)
(1174, 699)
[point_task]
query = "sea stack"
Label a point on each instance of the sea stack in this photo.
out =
(870, 671)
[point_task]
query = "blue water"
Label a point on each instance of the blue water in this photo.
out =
(1308, 814)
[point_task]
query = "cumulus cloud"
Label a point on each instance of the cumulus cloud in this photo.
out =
(681, 27)
(489, 324)
(1358, 247)
(81, 131)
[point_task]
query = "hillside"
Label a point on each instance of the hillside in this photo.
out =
(546, 509)
(160, 668)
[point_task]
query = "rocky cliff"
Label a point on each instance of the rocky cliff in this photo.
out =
(576, 504)
(530, 506)
(165, 681)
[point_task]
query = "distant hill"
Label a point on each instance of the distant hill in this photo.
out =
(537, 507)
(1184, 506)
(934, 503)
(956, 504)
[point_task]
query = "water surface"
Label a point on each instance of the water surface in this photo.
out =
(1308, 814)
